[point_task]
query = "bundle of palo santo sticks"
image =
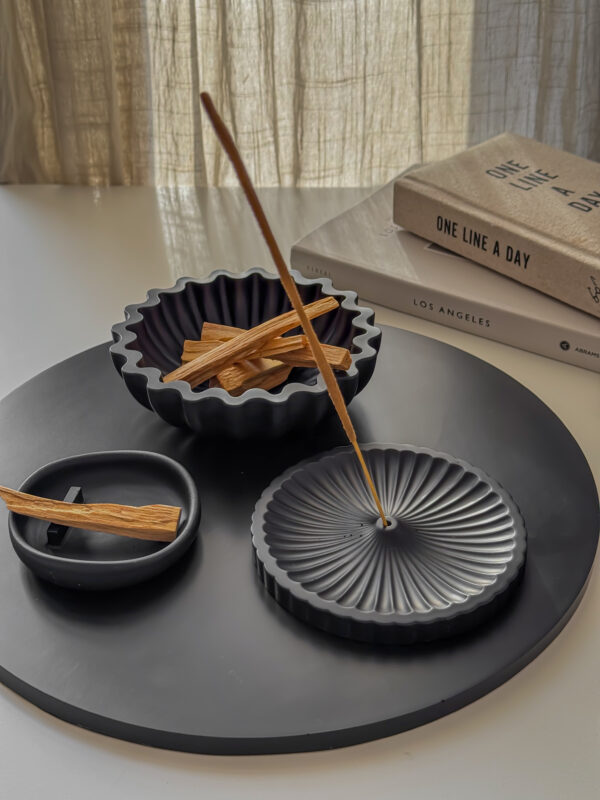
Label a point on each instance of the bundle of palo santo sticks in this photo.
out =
(237, 360)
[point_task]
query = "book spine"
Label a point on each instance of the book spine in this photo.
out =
(554, 341)
(474, 233)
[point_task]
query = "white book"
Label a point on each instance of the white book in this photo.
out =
(362, 249)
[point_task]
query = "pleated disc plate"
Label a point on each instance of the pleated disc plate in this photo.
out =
(453, 550)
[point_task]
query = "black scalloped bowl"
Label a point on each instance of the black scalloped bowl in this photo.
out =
(148, 344)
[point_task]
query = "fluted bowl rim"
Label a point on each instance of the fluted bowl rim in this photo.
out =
(124, 337)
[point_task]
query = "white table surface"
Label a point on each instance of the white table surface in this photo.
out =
(71, 258)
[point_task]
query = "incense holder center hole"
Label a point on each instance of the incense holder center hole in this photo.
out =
(397, 534)
(392, 524)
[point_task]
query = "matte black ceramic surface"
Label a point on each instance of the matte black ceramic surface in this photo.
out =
(148, 344)
(88, 559)
(202, 658)
(448, 559)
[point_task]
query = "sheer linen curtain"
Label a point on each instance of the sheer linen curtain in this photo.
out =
(329, 93)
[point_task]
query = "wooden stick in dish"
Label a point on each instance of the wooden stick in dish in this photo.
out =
(269, 381)
(281, 344)
(212, 332)
(215, 331)
(157, 523)
(208, 364)
(193, 348)
(262, 373)
(338, 357)
(249, 373)
(291, 289)
(254, 373)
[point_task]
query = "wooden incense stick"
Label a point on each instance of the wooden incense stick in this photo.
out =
(291, 289)
(156, 522)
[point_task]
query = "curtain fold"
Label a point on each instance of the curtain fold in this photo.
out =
(330, 93)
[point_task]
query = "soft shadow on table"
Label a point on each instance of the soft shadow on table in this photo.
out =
(211, 461)
(102, 608)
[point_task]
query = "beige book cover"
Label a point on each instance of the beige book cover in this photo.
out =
(519, 207)
(363, 249)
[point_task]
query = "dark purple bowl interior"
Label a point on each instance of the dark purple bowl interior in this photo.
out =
(230, 301)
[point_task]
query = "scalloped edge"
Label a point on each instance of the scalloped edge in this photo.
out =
(123, 336)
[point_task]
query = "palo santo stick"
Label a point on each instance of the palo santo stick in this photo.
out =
(156, 522)
(271, 380)
(243, 373)
(291, 289)
(263, 380)
(338, 357)
(281, 344)
(215, 332)
(208, 364)
(194, 348)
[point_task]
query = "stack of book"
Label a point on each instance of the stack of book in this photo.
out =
(527, 213)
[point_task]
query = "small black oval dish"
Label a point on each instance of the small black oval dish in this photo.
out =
(90, 560)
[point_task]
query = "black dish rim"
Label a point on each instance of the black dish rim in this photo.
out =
(183, 539)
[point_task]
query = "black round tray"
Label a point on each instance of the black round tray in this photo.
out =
(448, 559)
(202, 658)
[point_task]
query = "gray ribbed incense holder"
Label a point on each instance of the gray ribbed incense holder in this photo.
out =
(449, 558)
